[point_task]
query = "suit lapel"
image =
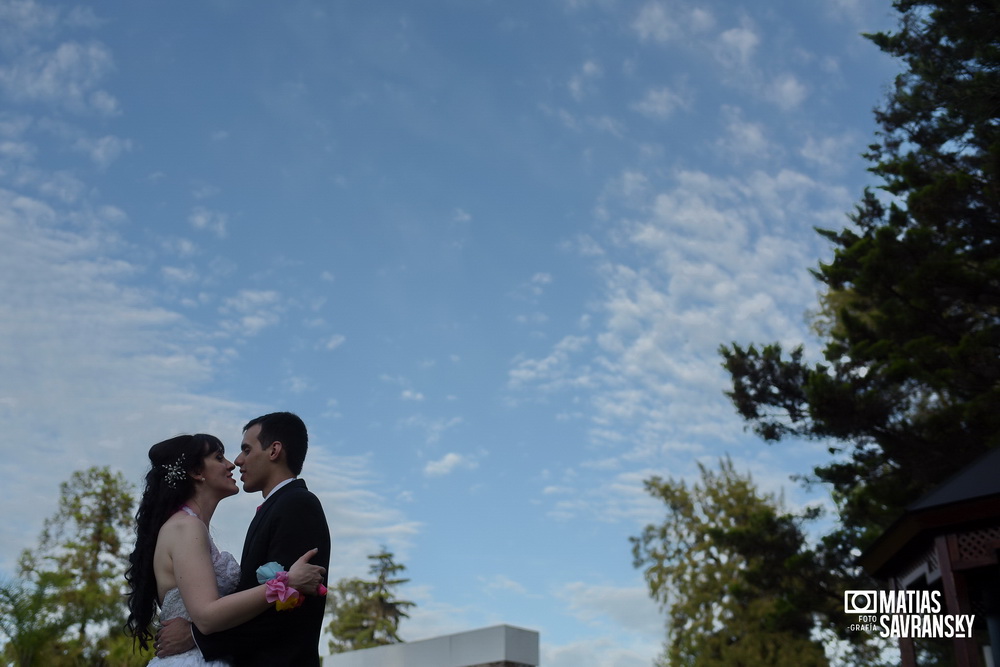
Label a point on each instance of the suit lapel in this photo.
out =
(249, 543)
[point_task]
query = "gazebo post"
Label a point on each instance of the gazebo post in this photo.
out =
(907, 653)
(956, 597)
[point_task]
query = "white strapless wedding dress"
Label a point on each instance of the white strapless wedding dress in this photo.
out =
(227, 576)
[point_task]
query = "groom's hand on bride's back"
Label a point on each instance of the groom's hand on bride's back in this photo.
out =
(173, 638)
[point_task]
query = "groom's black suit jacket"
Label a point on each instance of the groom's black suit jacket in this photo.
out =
(288, 524)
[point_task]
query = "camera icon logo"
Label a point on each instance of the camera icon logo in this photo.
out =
(860, 602)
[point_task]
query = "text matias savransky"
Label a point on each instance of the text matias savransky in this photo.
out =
(901, 614)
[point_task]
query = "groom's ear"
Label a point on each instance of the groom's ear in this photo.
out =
(274, 453)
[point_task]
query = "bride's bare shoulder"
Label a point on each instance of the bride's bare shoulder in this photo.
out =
(181, 526)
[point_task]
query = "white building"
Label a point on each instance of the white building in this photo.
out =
(497, 646)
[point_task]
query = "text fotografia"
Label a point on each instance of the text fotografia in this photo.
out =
(905, 614)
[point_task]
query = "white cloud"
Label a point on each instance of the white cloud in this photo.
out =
(567, 119)
(787, 92)
(499, 583)
(743, 138)
(857, 12)
(701, 20)
(532, 289)
(296, 384)
(251, 311)
(688, 267)
(550, 372)
(184, 275)
(448, 464)
(606, 124)
(98, 362)
(251, 300)
(581, 84)
(20, 151)
(61, 185)
(629, 608)
(205, 219)
(659, 103)
(26, 17)
(594, 495)
(433, 429)
(583, 4)
(335, 341)
(104, 150)
(736, 47)
(432, 618)
(103, 102)
(205, 192)
(654, 23)
(67, 76)
(627, 627)
(541, 278)
(14, 126)
(832, 153)
(180, 247)
(411, 395)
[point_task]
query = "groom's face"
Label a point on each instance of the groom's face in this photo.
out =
(252, 461)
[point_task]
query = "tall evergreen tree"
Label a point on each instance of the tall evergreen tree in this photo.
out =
(909, 387)
(366, 613)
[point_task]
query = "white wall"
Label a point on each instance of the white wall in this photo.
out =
(464, 649)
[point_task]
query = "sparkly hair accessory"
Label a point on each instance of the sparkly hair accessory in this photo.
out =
(173, 472)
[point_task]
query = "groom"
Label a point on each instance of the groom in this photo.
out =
(288, 523)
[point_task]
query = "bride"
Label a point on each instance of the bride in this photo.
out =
(176, 565)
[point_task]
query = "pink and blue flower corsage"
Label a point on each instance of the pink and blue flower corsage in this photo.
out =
(278, 591)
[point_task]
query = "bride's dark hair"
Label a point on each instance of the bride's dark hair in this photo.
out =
(168, 486)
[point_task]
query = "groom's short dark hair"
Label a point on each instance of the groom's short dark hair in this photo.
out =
(289, 430)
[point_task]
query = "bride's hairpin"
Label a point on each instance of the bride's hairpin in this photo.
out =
(173, 472)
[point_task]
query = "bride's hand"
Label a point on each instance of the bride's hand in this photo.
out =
(305, 577)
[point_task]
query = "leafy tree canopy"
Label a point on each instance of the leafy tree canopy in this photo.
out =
(80, 560)
(28, 623)
(733, 571)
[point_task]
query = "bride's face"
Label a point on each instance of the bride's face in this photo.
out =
(218, 473)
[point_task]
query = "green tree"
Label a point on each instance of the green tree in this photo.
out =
(350, 619)
(117, 649)
(366, 613)
(28, 623)
(734, 574)
(80, 559)
(907, 391)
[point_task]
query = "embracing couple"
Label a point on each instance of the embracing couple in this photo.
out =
(268, 609)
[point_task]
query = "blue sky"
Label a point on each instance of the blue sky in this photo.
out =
(487, 250)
